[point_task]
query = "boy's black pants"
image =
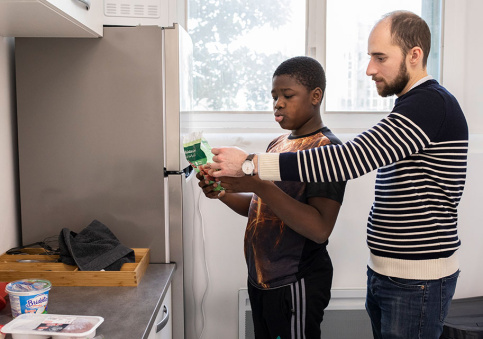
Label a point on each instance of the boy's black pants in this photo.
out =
(290, 311)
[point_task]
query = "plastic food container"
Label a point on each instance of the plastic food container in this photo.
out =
(57, 326)
(28, 296)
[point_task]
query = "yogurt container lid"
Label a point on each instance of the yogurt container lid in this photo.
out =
(28, 286)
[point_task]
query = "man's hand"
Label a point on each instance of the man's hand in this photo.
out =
(227, 162)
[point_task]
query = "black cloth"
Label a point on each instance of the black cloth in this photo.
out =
(93, 249)
(297, 308)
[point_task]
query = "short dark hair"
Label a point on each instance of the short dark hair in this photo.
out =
(306, 70)
(409, 30)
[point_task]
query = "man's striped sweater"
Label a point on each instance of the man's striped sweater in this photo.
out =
(420, 151)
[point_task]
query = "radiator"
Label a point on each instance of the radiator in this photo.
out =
(344, 318)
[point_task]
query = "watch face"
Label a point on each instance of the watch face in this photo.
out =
(248, 167)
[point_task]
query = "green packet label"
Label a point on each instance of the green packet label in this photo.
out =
(198, 152)
(194, 154)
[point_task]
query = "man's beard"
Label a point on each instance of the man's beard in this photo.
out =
(398, 85)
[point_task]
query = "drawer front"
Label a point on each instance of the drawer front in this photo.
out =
(163, 325)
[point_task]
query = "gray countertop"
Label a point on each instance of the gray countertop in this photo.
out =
(128, 312)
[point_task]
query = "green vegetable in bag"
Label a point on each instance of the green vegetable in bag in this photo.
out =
(198, 152)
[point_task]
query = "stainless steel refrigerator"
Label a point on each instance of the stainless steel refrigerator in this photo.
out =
(100, 127)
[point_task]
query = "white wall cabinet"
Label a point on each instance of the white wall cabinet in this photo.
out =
(163, 325)
(51, 18)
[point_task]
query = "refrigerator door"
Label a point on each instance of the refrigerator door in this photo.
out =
(90, 136)
(178, 99)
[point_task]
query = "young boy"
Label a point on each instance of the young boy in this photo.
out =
(289, 223)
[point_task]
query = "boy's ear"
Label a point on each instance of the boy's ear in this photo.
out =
(317, 95)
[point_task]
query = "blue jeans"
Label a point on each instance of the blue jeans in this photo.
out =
(408, 309)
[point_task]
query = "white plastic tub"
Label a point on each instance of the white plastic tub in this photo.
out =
(57, 326)
(28, 296)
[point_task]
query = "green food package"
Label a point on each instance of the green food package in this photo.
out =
(198, 152)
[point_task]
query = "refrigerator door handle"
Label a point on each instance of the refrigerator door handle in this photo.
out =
(186, 171)
(87, 3)
(164, 321)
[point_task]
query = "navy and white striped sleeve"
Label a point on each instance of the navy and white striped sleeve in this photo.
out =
(393, 138)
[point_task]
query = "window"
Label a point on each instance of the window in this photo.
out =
(346, 50)
(238, 45)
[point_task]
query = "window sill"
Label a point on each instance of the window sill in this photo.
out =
(263, 121)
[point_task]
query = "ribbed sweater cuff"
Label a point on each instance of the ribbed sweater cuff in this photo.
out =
(268, 166)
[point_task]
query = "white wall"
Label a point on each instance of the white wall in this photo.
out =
(8, 196)
(224, 230)
(462, 74)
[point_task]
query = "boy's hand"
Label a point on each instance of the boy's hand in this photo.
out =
(207, 188)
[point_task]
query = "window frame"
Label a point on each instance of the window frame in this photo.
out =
(347, 122)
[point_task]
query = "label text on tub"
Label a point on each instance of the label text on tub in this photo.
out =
(38, 300)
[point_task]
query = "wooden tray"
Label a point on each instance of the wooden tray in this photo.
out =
(60, 274)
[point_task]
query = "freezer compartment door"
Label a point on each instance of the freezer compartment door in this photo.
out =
(179, 94)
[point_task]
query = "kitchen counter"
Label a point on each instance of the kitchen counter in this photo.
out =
(128, 312)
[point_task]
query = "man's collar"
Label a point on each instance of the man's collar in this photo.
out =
(420, 81)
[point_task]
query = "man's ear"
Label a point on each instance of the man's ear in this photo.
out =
(415, 56)
(317, 95)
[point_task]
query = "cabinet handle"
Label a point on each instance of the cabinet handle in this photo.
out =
(164, 321)
(87, 3)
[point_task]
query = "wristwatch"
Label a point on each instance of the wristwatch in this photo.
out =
(248, 167)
